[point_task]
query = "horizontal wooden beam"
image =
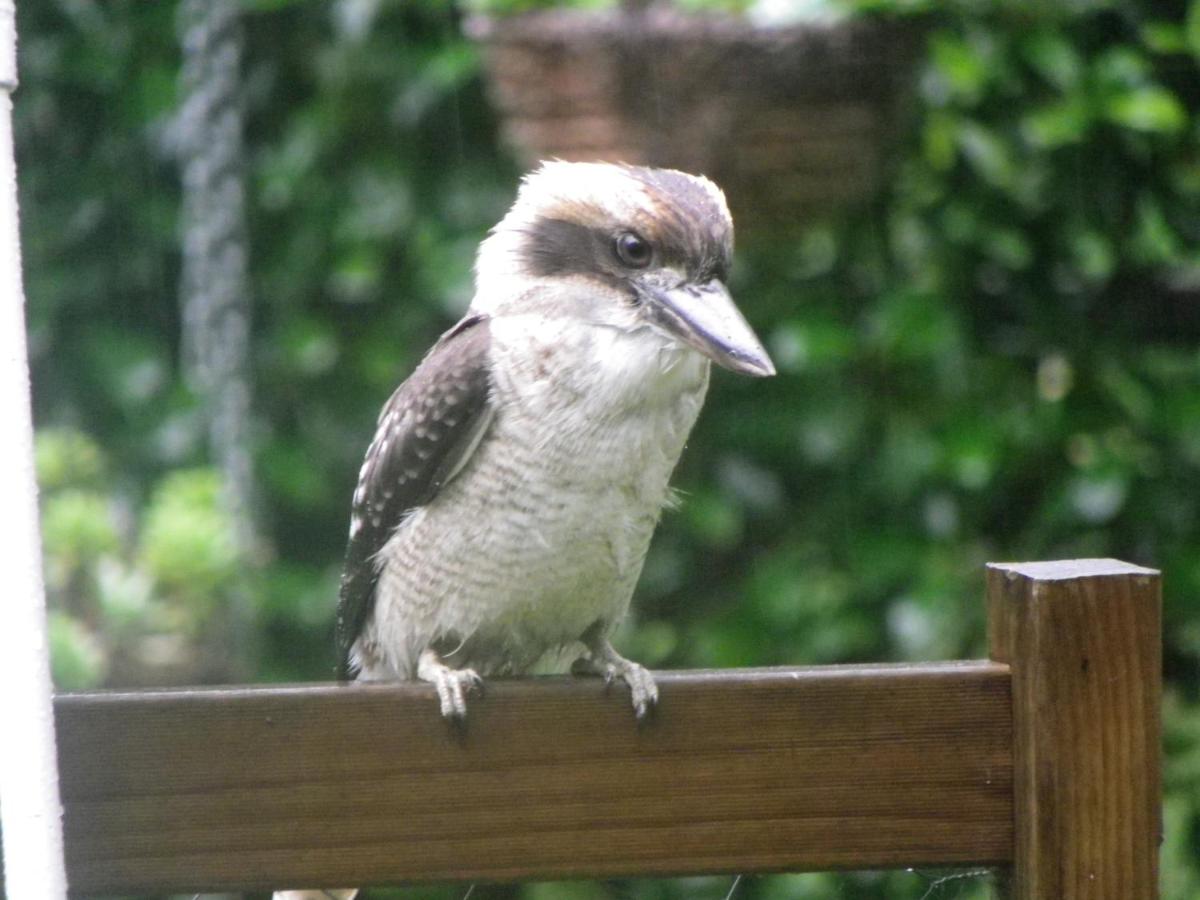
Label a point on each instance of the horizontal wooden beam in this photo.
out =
(743, 771)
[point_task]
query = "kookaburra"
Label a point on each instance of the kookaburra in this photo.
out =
(508, 498)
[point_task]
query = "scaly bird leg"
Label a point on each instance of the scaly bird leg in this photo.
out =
(603, 660)
(452, 685)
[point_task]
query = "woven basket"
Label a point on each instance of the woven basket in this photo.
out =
(793, 122)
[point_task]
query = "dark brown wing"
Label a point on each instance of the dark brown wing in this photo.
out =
(425, 435)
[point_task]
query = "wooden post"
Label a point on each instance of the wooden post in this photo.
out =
(1083, 641)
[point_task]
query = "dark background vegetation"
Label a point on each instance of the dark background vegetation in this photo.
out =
(998, 358)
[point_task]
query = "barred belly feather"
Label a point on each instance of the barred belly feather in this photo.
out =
(544, 533)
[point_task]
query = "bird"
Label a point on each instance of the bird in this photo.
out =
(507, 500)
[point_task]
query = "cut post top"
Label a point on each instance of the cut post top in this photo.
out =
(1070, 569)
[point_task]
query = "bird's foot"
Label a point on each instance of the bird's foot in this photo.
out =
(606, 662)
(452, 685)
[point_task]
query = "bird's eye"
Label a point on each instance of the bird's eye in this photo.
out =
(633, 250)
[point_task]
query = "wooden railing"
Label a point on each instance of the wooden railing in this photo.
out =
(1042, 761)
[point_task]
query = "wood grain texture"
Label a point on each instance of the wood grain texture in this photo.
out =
(744, 771)
(1083, 642)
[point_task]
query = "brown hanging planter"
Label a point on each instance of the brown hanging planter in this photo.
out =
(792, 121)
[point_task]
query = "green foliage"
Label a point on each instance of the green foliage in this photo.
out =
(187, 544)
(996, 360)
(80, 526)
(131, 601)
(67, 458)
(77, 659)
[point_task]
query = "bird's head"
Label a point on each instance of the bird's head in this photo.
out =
(623, 247)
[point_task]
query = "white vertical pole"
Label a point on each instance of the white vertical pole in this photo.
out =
(30, 808)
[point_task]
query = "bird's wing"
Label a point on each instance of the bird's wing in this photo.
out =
(425, 435)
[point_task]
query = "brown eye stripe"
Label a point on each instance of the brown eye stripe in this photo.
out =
(688, 230)
(562, 247)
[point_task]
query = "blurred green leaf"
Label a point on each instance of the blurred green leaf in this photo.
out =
(988, 153)
(1147, 108)
(1058, 123)
(715, 520)
(1154, 240)
(941, 140)
(1164, 37)
(310, 347)
(811, 346)
(188, 542)
(1094, 254)
(1054, 57)
(77, 659)
(65, 457)
(78, 527)
(1192, 28)
(963, 69)
(125, 594)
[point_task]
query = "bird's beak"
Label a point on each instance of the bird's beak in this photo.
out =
(705, 318)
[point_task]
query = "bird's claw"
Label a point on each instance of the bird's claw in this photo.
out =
(610, 666)
(452, 685)
(642, 688)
